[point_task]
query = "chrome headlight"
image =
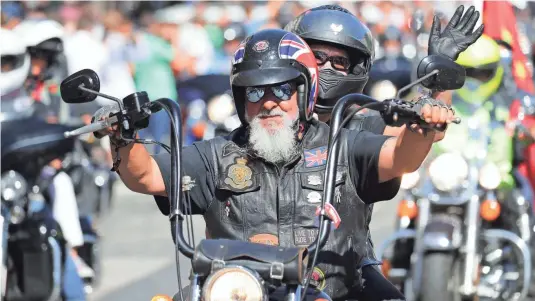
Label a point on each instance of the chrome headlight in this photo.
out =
(448, 171)
(233, 283)
(220, 108)
(489, 176)
(14, 186)
(409, 180)
(382, 90)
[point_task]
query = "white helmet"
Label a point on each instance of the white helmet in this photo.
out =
(35, 32)
(15, 60)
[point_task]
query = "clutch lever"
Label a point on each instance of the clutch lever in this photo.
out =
(93, 127)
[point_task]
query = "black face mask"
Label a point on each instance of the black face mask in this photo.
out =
(334, 85)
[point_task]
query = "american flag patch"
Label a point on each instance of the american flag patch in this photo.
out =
(316, 157)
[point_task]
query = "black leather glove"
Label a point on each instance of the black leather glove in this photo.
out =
(435, 108)
(458, 34)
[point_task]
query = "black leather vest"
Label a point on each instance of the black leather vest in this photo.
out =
(357, 124)
(260, 202)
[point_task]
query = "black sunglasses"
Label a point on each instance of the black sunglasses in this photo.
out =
(282, 91)
(340, 63)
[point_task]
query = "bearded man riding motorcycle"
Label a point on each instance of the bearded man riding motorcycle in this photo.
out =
(262, 183)
(344, 65)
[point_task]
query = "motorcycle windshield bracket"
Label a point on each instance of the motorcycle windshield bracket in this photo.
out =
(276, 271)
(217, 265)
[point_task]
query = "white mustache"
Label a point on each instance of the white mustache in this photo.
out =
(272, 113)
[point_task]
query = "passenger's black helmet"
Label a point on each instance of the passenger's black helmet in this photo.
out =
(270, 57)
(335, 25)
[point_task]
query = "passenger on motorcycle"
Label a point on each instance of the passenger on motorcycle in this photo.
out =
(263, 182)
(331, 31)
(15, 69)
(344, 51)
(44, 41)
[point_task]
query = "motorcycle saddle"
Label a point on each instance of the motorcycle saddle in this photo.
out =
(271, 262)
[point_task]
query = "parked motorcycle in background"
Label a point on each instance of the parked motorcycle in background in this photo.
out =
(33, 248)
(93, 182)
(459, 236)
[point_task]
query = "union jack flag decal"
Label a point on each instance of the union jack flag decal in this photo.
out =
(239, 53)
(316, 157)
(293, 47)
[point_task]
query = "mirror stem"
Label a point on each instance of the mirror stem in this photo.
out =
(407, 87)
(81, 87)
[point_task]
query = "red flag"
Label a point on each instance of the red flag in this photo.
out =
(500, 24)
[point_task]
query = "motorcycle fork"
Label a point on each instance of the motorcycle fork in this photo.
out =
(424, 212)
(5, 218)
(471, 261)
(524, 220)
(3, 248)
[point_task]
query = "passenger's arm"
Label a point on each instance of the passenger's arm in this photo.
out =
(406, 152)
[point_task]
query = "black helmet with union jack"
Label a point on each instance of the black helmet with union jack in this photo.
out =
(270, 57)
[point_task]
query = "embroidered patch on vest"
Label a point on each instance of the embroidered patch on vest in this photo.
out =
(239, 175)
(266, 239)
(230, 148)
(314, 180)
(314, 197)
(305, 236)
(316, 157)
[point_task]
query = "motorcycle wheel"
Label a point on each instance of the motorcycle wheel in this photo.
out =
(440, 278)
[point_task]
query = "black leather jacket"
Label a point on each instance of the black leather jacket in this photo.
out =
(246, 198)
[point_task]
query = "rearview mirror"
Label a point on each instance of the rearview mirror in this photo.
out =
(451, 75)
(86, 78)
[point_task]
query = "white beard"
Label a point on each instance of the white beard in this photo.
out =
(275, 146)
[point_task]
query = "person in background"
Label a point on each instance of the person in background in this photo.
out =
(153, 73)
(193, 42)
(119, 39)
(84, 51)
(44, 41)
(12, 14)
(232, 36)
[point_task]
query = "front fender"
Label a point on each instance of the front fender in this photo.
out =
(442, 234)
(400, 234)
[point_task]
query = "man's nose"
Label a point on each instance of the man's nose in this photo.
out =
(327, 64)
(270, 104)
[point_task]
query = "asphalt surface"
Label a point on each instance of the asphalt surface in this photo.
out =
(138, 258)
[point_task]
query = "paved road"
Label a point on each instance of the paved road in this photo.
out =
(138, 254)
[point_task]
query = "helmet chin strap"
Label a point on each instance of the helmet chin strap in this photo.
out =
(302, 100)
